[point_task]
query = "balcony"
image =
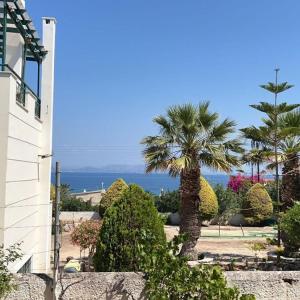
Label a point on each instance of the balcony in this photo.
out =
(21, 89)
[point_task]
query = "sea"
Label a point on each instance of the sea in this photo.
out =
(155, 183)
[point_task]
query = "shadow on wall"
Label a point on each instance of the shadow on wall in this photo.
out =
(120, 286)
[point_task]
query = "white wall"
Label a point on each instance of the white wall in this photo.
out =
(21, 200)
(25, 207)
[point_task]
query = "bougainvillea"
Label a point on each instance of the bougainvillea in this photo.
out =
(239, 181)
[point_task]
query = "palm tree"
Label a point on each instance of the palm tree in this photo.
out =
(191, 137)
(255, 157)
(290, 149)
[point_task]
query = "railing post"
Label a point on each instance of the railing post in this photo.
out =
(23, 88)
(39, 80)
(4, 34)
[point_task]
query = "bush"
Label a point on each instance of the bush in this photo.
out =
(290, 225)
(8, 256)
(113, 193)
(124, 226)
(168, 202)
(168, 276)
(257, 206)
(75, 204)
(227, 199)
(208, 201)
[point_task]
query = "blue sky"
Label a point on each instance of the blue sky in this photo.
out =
(120, 63)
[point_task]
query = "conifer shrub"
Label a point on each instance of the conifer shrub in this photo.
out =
(257, 205)
(208, 201)
(113, 193)
(290, 225)
(124, 227)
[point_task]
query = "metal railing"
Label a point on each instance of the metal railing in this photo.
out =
(22, 87)
(20, 94)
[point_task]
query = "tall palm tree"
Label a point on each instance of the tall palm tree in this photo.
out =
(190, 138)
(255, 157)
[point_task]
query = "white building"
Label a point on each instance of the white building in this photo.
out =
(26, 136)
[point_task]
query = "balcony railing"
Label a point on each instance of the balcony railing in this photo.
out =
(20, 94)
(22, 88)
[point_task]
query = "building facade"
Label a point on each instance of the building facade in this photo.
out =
(26, 115)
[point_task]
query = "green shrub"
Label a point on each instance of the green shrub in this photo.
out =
(74, 204)
(168, 276)
(227, 199)
(124, 226)
(257, 205)
(168, 202)
(7, 257)
(208, 201)
(113, 193)
(290, 225)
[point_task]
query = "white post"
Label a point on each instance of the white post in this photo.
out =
(47, 98)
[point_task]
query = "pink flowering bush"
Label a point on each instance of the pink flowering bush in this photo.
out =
(240, 183)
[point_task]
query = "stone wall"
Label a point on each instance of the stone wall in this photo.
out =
(93, 197)
(70, 219)
(120, 286)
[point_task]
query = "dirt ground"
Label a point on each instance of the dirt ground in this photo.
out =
(232, 242)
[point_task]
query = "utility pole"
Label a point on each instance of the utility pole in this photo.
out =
(277, 165)
(57, 229)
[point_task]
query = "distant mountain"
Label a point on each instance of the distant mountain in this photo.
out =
(109, 169)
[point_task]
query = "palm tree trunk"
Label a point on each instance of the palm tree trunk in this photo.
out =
(189, 212)
(290, 181)
(258, 172)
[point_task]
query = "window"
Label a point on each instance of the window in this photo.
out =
(26, 267)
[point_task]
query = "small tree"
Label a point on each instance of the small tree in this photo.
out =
(208, 201)
(124, 226)
(168, 276)
(257, 206)
(7, 256)
(113, 193)
(86, 235)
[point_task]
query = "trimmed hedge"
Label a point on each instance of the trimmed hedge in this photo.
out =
(208, 201)
(128, 223)
(257, 205)
(113, 193)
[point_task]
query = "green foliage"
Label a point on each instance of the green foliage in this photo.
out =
(168, 276)
(168, 202)
(257, 207)
(123, 227)
(7, 256)
(208, 201)
(68, 202)
(272, 190)
(247, 297)
(290, 224)
(246, 185)
(228, 200)
(113, 193)
(75, 204)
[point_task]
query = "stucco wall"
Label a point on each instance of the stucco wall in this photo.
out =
(117, 286)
